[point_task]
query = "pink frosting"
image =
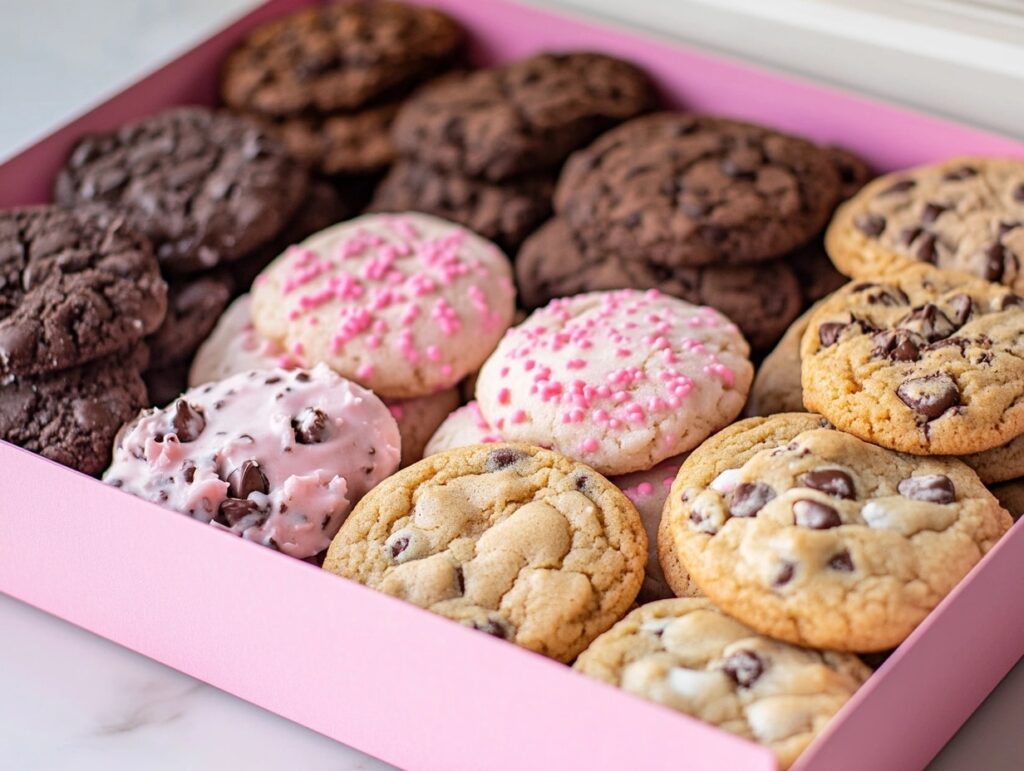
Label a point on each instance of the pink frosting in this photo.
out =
(278, 457)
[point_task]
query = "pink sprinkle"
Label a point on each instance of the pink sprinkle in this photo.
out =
(644, 489)
(365, 372)
(433, 353)
(575, 364)
(504, 396)
(396, 411)
(589, 445)
(518, 416)
(722, 372)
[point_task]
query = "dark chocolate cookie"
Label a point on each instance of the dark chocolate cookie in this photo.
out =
(325, 204)
(206, 187)
(343, 143)
(762, 299)
(74, 286)
(523, 116)
(165, 383)
(505, 212)
(194, 304)
(684, 189)
(815, 272)
(854, 171)
(337, 57)
(72, 416)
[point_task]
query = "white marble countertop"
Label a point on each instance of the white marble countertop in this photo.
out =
(70, 700)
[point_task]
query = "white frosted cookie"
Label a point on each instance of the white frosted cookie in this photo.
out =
(618, 380)
(406, 304)
(465, 426)
(277, 457)
(689, 656)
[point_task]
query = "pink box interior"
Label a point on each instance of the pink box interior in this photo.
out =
(389, 678)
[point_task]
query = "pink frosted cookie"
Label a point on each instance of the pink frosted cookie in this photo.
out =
(278, 457)
(405, 304)
(464, 427)
(648, 491)
(618, 380)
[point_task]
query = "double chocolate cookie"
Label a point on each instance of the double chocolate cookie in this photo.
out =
(524, 116)
(73, 415)
(74, 286)
(337, 57)
(762, 298)
(681, 189)
(205, 187)
(505, 213)
(193, 307)
(343, 143)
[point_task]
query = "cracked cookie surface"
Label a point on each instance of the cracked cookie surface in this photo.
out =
(337, 57)
(512, 540)
(762, 299)
(689, 656)
(74, 286)
(924, 361)
(966, 214)
(680, 189)
(812, 536)
(205, 187)
(618, 380)
(505, 213)
(524, 116)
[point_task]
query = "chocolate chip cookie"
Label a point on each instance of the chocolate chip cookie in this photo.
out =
(689, 656)
(505, 213)
(338, 56)
(74, 286)
(966, 214)
(193, 306)
(776, 385)
(683, 189)
(343, 143)
(205, 187)
(762, 299)
(523, 116)
(812, 536)
(925, 361)
(72, 416)
(512, 540)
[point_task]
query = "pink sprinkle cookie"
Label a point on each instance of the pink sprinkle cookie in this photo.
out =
(278, 457)
(462, 428)
(618, 380)
(406, 304)
(234, 346)
(648, 491)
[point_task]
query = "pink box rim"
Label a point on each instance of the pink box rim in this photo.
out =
(212, 638)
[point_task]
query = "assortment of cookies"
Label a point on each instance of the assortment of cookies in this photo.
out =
(362, 392)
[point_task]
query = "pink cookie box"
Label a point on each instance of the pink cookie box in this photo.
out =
(393, 680)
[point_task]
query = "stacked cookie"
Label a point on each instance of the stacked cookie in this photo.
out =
(330, 79)
(483, 148)
(708, 209)
(209, 190)
(79, 290)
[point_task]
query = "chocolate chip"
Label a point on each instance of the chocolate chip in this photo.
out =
(929, 396)
(188, 421)
(502, 458)
(398, 546)
(929, 322)
(961, 173)
(784, 574)
(815, 515)
(909, 234)
(272, 379)
(633, 220)
(1010, 301)
(694, 209)
(870, 224)
(926, 250)
(492, 626)
(188, 471)
(744, 667)
(302, 377)
(933, 488)
(962, 306)
(1018, 193)
(581, 482)
(1006, 227)
(932, 211)
(460, 579)
(842, 562)
(749, 498)
(830, 481)
(899, 187)
(830, 331)
(896, 345)
(311, 426)
(232, 510)
(735, 170)
(247, 478)
(995, 262)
